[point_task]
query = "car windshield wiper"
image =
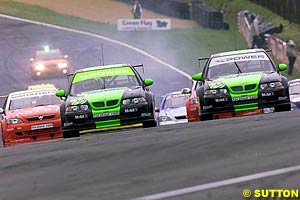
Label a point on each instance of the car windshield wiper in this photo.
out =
(239, 69)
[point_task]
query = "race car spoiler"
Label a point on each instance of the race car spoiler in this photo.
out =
(140, 65)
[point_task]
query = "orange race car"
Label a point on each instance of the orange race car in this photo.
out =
(49, 62)
(31, 115)
(192, 105)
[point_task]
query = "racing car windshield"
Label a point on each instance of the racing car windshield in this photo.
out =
(103, 79)
(294, 88)
(175, 101)
(22, 101)
(48, 55)
(104, 83)
(234, 64)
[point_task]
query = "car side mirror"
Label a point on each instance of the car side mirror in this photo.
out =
(156, 109)
(197, 77)
(2, 111)
(31, 59)
(282, 67)
(148, 82)
(61, 93)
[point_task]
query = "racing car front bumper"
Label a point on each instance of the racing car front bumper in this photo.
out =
(126, 116)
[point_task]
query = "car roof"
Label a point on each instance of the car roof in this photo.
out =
(229, 53)
(103, 67)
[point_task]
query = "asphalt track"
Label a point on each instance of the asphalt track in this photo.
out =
(138, 162)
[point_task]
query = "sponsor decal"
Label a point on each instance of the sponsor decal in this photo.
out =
(144, 24)
(107, 114)
(145, 114)
(83, 116)
(41, 126)
(131, 110)
(93, 74)
(78, 101)
(33, 93)
(221, 100)
(215, 85)
(237, 58)
(207, 107)
(244, 98)
(267, 94)
(282, 98)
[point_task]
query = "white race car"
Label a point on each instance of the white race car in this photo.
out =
(172, 108)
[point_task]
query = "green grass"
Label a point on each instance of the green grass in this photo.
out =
(179, 47)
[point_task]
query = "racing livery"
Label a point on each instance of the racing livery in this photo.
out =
(172, 108)
(192, 105)
(49, 61)
(244, 81)
(294, 88)
(106, 96)
(31, 115)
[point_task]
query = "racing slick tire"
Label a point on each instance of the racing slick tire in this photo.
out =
(149, 124)
(71, 134)
(281, 108)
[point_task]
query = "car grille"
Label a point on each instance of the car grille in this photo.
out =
(41, 117)
(180, 117)
(237, 88)
(112, 103)
(250, 87)
(42, 131)
(107, 103)
(243, 88)
(99, 104)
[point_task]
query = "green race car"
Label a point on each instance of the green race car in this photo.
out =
(106, 96)
(239, 81)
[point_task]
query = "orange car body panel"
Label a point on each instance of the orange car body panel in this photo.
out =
(192, 107)
(40, 123)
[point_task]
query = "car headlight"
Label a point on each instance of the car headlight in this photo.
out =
(72, 108)
(77, 108)
(134, 100)
(84, 107)
(270, 85)
(62, 65)
(164, 118)
(193, 101)
(216, 91)
(39, 67)
(14, 121)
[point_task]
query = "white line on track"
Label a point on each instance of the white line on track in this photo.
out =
(217, 184)
(100, 37)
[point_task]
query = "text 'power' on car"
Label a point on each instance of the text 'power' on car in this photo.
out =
(241, 83)
(31, 115)
(49, 62)
(172, 108)
(106, 96)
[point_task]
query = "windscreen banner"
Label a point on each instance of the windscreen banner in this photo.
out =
(144, 24)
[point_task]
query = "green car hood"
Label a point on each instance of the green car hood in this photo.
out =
(232, 80)
(243, 85)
